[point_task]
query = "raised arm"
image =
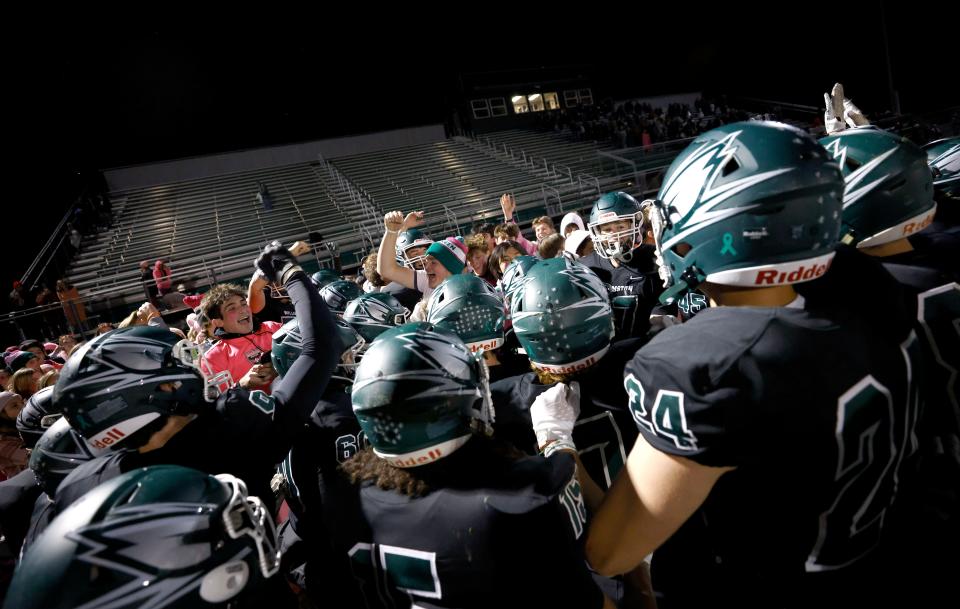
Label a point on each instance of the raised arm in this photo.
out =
(387, 266)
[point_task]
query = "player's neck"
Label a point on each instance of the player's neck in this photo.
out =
(732, 296)
(490, 358)
(900, 246)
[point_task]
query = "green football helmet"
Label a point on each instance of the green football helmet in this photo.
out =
(338, 293)
(37, 416)
(616, 207)
(417, 393)
(324, 277)
(889, 188)
(750, 204)
(469, 307)
(57, 453)
(943, 156)
(161, 536)
(110, 390)
(288, 344)
(373, 314)
(513, 277)
(562, 316)
(408, 240)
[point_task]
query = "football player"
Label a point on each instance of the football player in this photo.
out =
(773, 433)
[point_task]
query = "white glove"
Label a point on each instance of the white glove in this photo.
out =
(840, 110)
(833, 116)
(852, 114)
(554, 414)
(659, 323)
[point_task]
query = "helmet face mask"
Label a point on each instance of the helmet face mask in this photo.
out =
(190, 354)
(753, 204)
(354, 346)
(616, 226)
(412, 247)
(247, 516)
(618, 244)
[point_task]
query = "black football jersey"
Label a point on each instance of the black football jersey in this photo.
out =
(604, 432)
(929, 524)
(815, 407)
(468, 542)
(333, 436)
(634, 288)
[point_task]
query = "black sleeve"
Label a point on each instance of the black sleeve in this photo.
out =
(688, 400)
(298, 392)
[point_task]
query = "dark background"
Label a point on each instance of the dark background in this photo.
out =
(93, 93)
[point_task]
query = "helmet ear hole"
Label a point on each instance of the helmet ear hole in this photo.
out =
(729, 167)
(682, 249)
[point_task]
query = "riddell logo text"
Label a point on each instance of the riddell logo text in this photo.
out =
(478, 347)
(568, 369)
(775, 277)
(431, 456)
(111, 437)
(914, 227)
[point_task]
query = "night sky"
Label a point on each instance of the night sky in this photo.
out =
(97, 96)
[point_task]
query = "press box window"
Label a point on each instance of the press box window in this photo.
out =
(520, 104)
(498, 107)
(550, 101)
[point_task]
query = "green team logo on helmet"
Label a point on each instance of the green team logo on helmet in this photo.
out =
(468, 306)
(888, 186)
(412, 247)
(324, 277)
(752, 204)
(943, 156)
(162, 536)
(616, 226)
(417, 392)
(373, 314)
(338, 293)
(562, 316)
